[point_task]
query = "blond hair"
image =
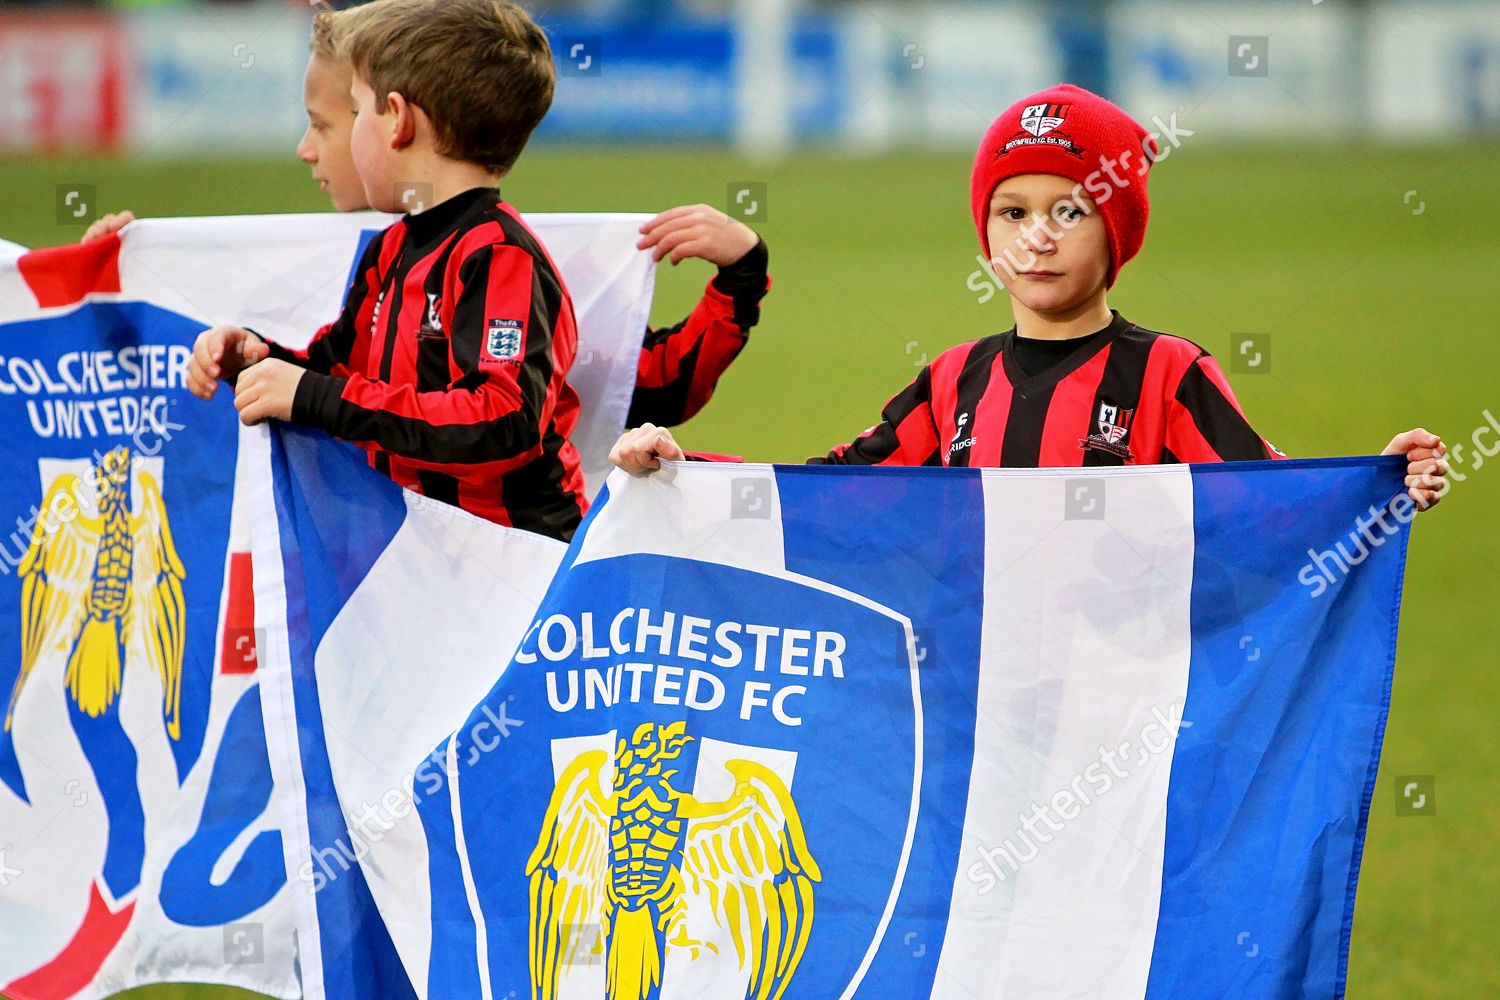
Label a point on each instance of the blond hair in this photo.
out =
(481, 70)
(325, 26)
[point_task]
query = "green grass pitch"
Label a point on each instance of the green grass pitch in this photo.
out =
(1381, 310)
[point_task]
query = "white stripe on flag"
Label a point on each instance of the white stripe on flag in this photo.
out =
(255, 489)
(392, 688)
(471, 890)
(1059, 875)
(717, 972)
(731, 516)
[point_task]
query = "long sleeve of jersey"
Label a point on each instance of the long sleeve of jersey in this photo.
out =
(906, 434)
(500, 365)
(681, 365)
(1205, 423)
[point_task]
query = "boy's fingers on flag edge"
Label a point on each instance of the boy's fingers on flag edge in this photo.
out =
(670, 215)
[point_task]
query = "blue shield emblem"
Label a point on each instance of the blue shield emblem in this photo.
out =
(677, 802)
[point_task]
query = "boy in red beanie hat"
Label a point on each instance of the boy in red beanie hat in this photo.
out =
(1059, 199)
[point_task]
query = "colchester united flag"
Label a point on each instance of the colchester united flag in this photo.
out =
(142, 837)
(814, 732)
(138, 841)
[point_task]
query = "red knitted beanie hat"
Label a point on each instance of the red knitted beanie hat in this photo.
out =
(1070, 132)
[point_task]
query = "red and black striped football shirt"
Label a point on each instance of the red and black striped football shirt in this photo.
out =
(1126, 396)
(681, 365)
(449, 363)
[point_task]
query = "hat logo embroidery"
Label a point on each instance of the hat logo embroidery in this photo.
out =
(1039, 124)
(1039, 119)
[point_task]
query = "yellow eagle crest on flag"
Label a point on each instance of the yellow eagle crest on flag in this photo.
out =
(95, 571)
(612, 872)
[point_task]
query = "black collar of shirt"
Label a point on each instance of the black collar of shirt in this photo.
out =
(1058, 358)
(428, 226)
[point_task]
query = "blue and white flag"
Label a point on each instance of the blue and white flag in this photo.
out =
(140, 840)
(823, 732)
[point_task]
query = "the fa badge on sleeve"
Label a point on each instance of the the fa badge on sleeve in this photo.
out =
(503, 341)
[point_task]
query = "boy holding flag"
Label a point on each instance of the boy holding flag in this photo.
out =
(1058, 195)
(680, 365)
(449, 361)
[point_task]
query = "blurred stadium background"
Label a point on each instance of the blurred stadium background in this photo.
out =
(1328, 229)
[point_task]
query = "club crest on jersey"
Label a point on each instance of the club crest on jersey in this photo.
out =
(1112, 433)
(1039, 127)
(503, 342)
(432, 323)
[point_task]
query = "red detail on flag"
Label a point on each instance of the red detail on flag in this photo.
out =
(237, 655)
(77, 964)
(61, 276)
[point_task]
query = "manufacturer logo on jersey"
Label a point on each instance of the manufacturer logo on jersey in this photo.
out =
(1112, 434)
(958, 442)
(503, 341)
(1039, 127)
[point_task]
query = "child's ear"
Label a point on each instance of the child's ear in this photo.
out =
(403, 120)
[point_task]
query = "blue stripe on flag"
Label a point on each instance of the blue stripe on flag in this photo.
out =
(366, 237)
(1287, 699)
(453, 970)
(838, 526)
(318, 482)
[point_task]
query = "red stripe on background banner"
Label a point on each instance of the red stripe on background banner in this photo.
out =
(61, 276)
(237, 655)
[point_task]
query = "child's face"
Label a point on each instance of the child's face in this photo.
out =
(1048, 245)
(373, 149)
(325, 144)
